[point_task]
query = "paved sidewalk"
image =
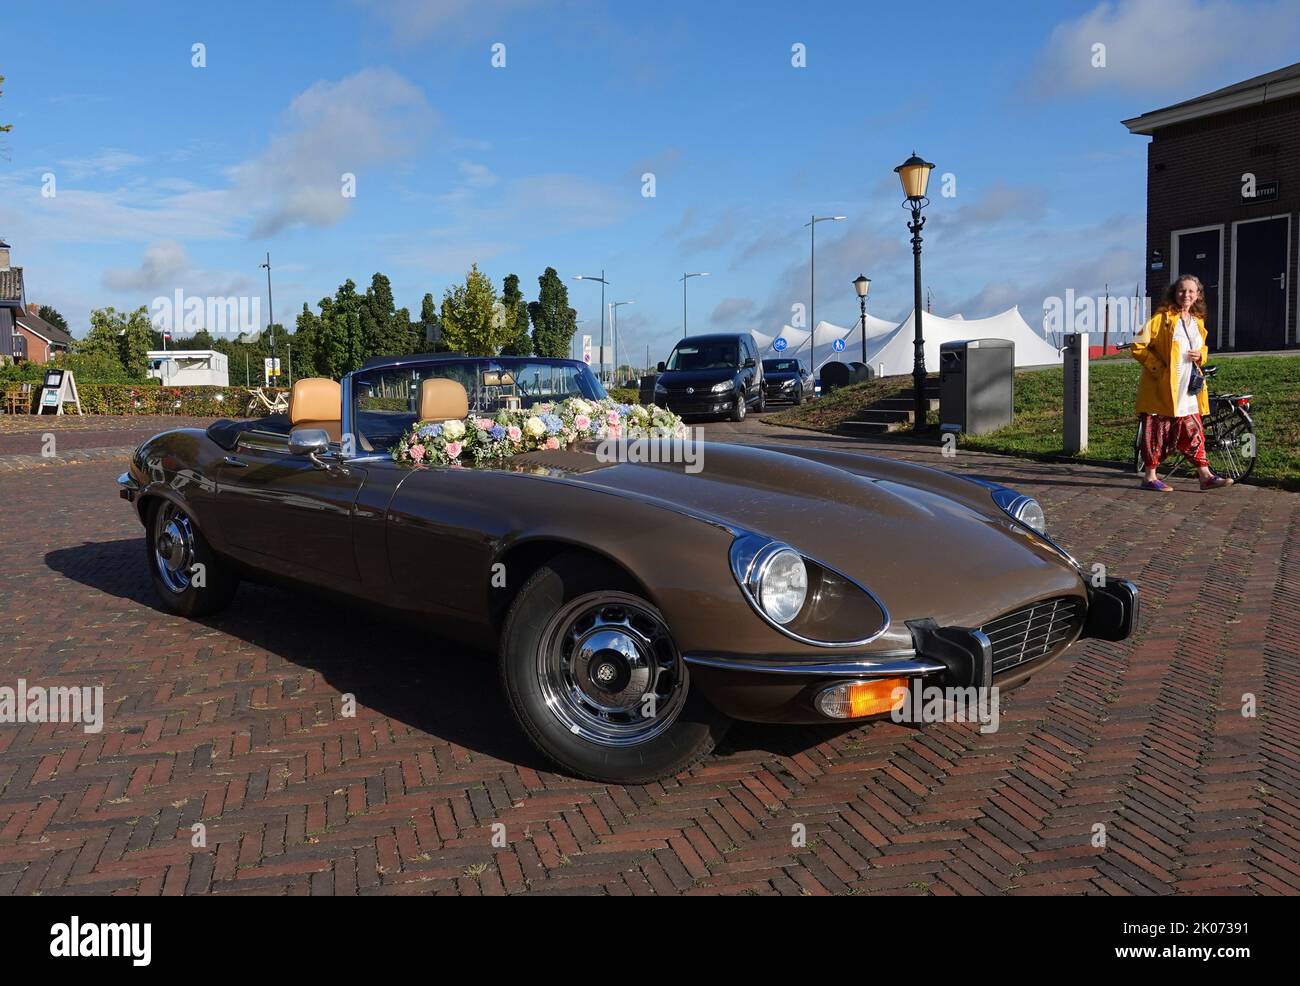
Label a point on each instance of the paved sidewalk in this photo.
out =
(235, 724)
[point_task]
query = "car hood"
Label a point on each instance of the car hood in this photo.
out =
(696, 378)
(924, 553)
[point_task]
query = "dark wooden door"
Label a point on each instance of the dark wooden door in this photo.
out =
(1259, 288)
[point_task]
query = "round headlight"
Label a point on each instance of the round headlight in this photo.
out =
(783, 586)
(1030, 513)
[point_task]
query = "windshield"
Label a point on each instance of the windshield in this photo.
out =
(781, 365)
(386, 399)
(720, 355)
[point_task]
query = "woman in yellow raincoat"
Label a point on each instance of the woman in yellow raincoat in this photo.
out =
(1168, 347)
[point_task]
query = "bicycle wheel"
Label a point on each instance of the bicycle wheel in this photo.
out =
(1230, 441)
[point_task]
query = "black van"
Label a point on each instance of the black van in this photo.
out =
(714, 375)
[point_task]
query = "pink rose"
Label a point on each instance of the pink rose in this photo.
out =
(614, 431)
(582, 422)
(552, 442)
(513, 433)
(452, 449)
(485, 424)
(417, 452)
(612, 417)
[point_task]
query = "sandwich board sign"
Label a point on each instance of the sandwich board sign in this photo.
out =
(60, 388)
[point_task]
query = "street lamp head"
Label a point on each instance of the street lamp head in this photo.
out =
(914, 173)
(862, 284)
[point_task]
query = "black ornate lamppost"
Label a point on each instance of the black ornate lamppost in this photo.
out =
(862, 284)
(914, 173)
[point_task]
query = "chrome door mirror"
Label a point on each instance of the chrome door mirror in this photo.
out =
(311, 442)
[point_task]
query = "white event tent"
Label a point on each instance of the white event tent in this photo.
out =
(890, 345)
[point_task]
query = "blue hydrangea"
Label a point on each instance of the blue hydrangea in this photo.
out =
(497, 433)
(430, 431)
(553, 423)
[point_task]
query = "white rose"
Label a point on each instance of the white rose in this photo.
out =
(453, 430)
(534, 427)
(579, 406)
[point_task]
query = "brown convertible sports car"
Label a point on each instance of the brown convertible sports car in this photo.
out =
(636, 607)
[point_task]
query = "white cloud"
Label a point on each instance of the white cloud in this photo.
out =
(163, 263)
(415, 20)
(106, 162)
(331, 129)
(1161, 45)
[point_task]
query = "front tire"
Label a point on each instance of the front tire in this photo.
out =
(738, 412)
(798, 397)
(595, 681)
(187, 574)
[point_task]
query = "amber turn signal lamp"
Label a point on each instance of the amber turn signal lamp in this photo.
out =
(856, 699)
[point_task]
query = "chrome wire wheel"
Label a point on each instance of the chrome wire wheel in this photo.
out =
(609, 670)
(173, 547)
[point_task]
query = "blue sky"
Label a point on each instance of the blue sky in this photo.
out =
(169, 176)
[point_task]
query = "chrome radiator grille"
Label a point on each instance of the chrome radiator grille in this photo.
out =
(1032, 632)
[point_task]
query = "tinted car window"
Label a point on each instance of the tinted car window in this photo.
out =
(386, 400)
(719, 355)
(781, 365)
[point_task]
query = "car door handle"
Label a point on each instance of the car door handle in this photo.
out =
(230, 460)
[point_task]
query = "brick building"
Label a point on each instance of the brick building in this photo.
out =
(1223, 203)
(24, 335)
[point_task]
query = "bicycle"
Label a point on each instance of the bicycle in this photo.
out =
(1230, 443)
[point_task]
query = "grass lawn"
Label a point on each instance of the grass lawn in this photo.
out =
(1035, 429)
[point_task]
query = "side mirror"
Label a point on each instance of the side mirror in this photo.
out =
(748, 364)
(662, 366)
(311, 442)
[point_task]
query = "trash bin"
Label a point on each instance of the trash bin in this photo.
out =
(976, 385)
(834, 376)
(646, 390)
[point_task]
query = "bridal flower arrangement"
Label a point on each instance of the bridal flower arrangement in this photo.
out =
(552, 425)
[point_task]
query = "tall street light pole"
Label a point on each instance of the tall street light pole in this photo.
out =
(862, 284)
(686, 277)
(603, 284)
(614, 306)
(812, 278)
(914, 173)
(270, 315)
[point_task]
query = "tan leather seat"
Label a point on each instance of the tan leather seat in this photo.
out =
(317, 402)
(443, 400)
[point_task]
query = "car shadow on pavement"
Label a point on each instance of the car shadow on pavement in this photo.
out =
(439, 687)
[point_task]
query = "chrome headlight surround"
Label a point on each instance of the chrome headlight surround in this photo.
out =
(1023, 509)
(1017, 505)
(752, 556)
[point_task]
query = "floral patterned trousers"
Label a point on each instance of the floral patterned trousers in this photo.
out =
(1162, 436)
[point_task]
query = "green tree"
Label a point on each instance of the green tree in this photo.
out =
(518, 343)
(474, 321)
(50, 314)
(127, 335)
(430, 327)
(4, 127)
(306, 340)
(554, 322)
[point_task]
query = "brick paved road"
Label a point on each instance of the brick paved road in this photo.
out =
(235, 723)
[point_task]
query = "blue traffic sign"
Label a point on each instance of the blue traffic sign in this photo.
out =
(838, 345)
(779, 344)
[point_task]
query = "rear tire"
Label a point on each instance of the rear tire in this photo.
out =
(189, 577)
(580, 658)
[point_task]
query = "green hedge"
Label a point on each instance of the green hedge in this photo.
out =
(625, 395)
(190, 402)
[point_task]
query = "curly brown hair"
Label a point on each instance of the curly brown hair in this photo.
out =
(1171, 300)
